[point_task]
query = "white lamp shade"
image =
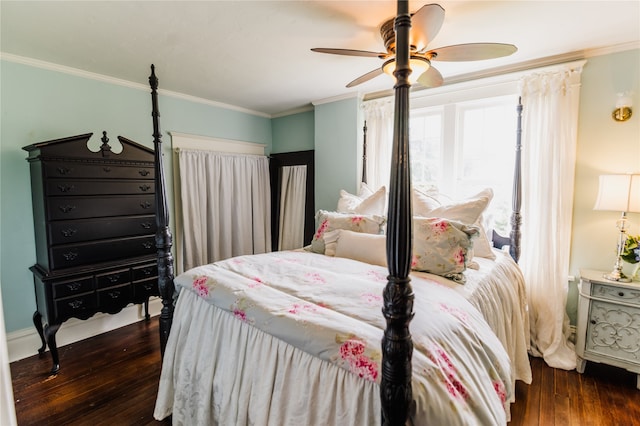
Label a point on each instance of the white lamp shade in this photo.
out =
(619, 193)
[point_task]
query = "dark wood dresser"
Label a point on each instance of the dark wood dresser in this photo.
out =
(94, 218)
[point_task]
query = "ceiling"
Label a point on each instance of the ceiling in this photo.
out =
(256, 55)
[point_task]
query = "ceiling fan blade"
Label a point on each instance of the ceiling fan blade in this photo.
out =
(425, 25)
(431, 78)
(350, 52)
(471, 52)
(366, 77)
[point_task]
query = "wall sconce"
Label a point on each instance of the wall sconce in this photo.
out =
(623, 108)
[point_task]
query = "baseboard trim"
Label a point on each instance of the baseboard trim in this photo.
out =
(25, 343)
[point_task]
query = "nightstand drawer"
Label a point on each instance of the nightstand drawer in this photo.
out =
(614, 331)
(616, 294)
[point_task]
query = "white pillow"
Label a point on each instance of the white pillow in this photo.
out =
(469, 211)
(372, 204)
(368, 248)
(423, 203)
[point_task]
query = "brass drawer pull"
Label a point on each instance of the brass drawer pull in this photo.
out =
(144, 172)
(113, 278)
(145, 205)
(147, 245)
(64, 170)
(114, 294)
(147, 271)
(145, 188)
(146, 225)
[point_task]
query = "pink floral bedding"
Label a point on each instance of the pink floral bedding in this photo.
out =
(330, 308)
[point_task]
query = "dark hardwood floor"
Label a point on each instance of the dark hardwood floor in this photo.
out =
(111, 379)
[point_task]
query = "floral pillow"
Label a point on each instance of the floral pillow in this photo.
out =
(330, 221)
(442, 247)
(468, 211)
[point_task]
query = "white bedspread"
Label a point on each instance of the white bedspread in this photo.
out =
(294, 338)
(497, 290)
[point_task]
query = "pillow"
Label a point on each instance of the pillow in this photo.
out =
(469, 211)
(330, 221)
(442, 247)
(371, 204)
(423, 203)
(365, 190)
(368, 248)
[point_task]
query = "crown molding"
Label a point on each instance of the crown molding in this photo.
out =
(50, 66)
(336, 98)
(299, 110)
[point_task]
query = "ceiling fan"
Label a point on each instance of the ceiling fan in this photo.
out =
(425, 25)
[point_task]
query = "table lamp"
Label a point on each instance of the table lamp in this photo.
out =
(619, 192)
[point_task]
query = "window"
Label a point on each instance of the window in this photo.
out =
(461, 148)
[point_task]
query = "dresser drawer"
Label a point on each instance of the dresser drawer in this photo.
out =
(73, 231)
(62, 187)
(72, 287)
(64, 208)
(102, 251)
(113, 299)
(82, 306)
(104, 171)
(113, 278)
(142, 290)
(616, 294)
(145, 272)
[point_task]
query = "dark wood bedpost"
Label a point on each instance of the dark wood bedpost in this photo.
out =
(397, 347)
(164, 241)
(516, 199)
(364, 152)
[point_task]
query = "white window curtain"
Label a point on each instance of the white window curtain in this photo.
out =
(379, 116)
(292, 200)
(550, 117)
(226, 205)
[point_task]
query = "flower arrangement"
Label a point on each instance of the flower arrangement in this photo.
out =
(631, 250)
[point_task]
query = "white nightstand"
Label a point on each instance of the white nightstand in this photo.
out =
(608, 322)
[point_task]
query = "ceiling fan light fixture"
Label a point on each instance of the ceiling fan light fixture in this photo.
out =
(417, 64)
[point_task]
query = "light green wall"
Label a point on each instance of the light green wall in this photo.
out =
(293, 132)
(604, 146)
(336, 150)
(38, 105)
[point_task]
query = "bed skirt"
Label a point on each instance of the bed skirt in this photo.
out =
(220, 388)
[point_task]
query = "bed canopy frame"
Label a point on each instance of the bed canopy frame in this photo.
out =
(397, 346)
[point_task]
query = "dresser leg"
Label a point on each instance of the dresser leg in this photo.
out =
(50, 334)
(580, 364)
(37, 321)
(146, 309)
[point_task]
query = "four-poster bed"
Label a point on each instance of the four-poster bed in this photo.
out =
(216, 366)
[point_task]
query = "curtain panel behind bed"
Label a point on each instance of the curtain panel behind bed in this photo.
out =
(226, 205)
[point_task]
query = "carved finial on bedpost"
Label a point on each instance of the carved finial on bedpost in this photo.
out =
(396, 395)
(163, 233)
(516, 218)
